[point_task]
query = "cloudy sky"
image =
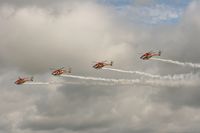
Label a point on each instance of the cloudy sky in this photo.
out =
(37, 35)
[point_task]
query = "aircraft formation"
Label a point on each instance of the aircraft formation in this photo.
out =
(97, 65)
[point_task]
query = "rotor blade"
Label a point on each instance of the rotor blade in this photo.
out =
(61, 68)
(94, 62)
(56, 68)
(151, 51)
(52, 68)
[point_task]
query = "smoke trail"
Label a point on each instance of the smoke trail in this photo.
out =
(164, 77)
(36, 83)
(166, 81)
(70, 83)
(170, 81)
(102, 79)
(178, 63)
(52, 83)
(134, 72)
(84, 83)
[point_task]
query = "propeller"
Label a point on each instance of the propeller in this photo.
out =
(61, 68)
(56, 68)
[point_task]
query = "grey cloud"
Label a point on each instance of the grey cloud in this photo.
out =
(77, 112)
(179, 97)
(39, 3)
(77, 109)
(32, 40)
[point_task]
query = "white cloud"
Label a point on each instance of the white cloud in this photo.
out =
(33, 39)
(33, 36)
(151, 14)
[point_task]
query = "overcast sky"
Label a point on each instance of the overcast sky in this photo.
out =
(37, 35)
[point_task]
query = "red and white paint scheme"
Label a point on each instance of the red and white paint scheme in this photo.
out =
(100, 65)
(60, 71)
(150, 54)
(23, 80)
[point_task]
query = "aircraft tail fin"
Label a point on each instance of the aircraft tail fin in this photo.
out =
(159, 53)
(111, 63)
(70, 70)
(31, 79)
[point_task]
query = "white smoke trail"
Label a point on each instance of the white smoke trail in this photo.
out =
(51, 83)
(36, 83)
(102, 79)
(166, 81)
(85, 83)
(69, 83)
(134, 72)
(170, 81)
(178, 63)
(164, 77)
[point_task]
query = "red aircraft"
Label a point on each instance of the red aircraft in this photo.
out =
(100, 65)
(23, 80)
(150, 54)
(60, 71)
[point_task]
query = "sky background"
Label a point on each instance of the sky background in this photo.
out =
(37, 35)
